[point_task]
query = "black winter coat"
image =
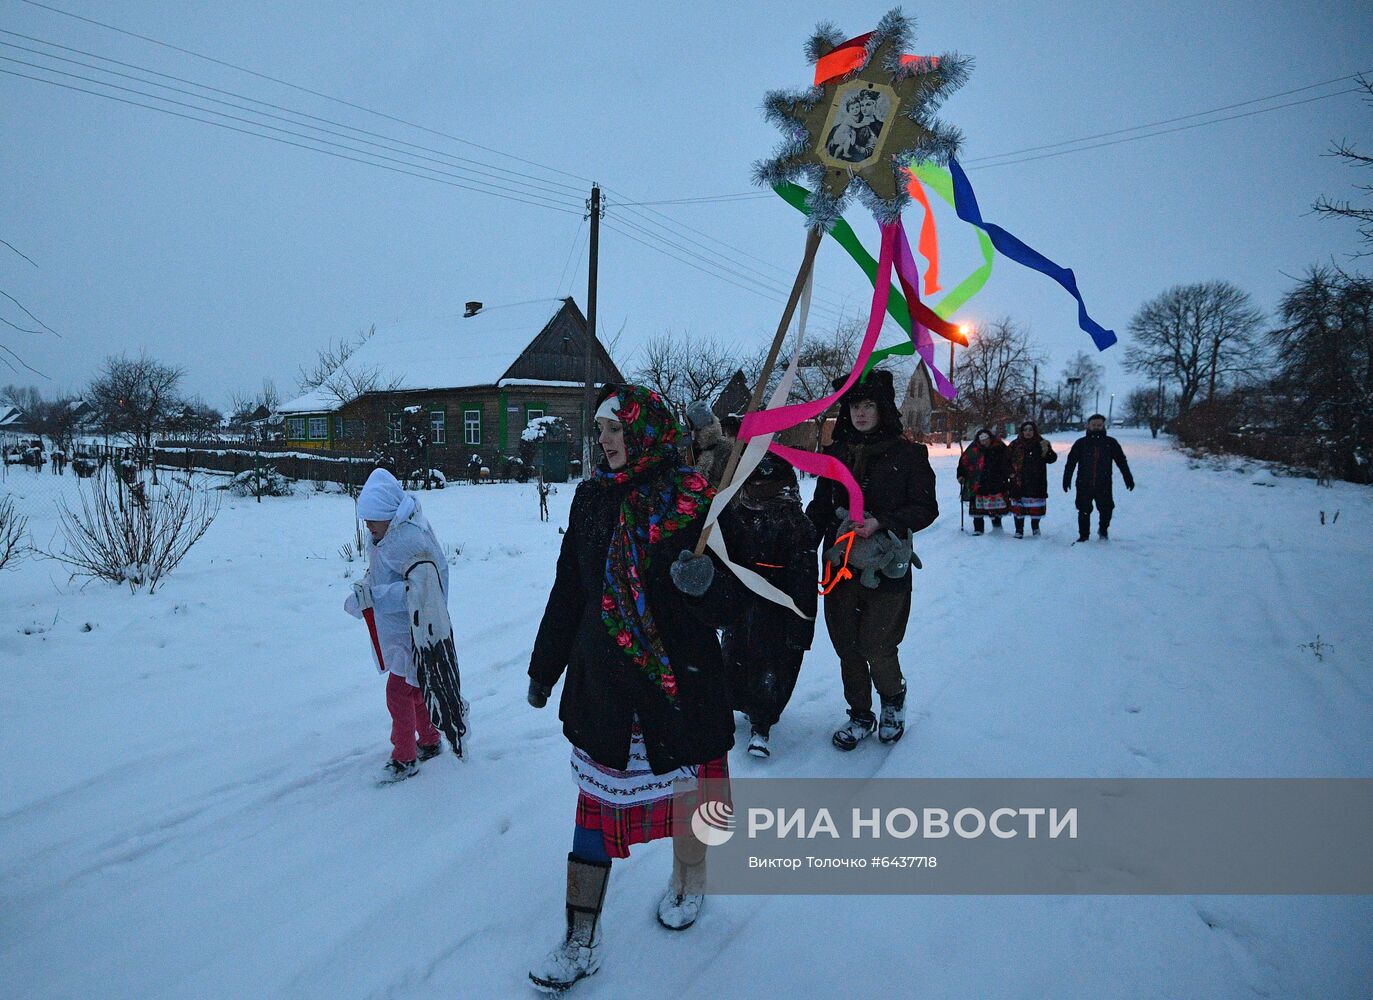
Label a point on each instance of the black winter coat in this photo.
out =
(776, 541)
(898, 490)
(1094, 455)
(604, 690)
(1029, 466)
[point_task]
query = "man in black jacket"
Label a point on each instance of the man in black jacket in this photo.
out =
(865, 624)
(1094, 454)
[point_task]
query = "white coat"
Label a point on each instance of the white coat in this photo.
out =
(407, 541)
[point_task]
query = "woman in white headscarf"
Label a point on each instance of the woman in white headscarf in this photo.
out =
(406, 586)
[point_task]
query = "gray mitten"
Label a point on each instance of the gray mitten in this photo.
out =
(692, 574)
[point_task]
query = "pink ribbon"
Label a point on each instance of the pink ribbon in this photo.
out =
(782, 417)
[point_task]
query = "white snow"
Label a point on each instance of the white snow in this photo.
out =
(442, 353)
(187, 806)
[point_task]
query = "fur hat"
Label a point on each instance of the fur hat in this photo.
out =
(876, 386)
(699, 415)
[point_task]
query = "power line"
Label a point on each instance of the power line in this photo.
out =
(490, 187)
(755, 273)
(1170, 121)
(314, 149)
(291, 111)
(1167, 131)
(576, 243)
(306, 90)
(773, 291)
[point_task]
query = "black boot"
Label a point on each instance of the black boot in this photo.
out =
(1019, 527)
(1103, 530)
(1034, 526)
(1084, 526)
(978, 525)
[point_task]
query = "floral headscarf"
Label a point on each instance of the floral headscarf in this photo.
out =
(666, 497)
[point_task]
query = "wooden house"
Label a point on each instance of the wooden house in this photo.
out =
(471, 383)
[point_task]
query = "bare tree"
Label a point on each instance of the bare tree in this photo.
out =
(1325, 365)
(1083, 376)
(330, 360)
(59, 420)
(1149, 405)
(135, 398)
(1341, 208)
(12, 525)
(995, 374)
(26, 397)
(1195, 336)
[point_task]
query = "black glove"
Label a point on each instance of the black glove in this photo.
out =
(538, 694)
(1065, 487)
(692, 574)
(1130, 487)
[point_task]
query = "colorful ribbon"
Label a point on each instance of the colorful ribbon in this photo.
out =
(938, 180)
(843, 234)
(909, 277)
(965, 204)
(775, 419)
(929, 237)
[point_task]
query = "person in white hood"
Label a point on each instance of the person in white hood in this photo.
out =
(401, 538)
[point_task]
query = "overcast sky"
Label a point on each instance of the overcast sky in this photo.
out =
(237, 257)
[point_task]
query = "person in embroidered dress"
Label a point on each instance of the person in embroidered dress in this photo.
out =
(630, 629)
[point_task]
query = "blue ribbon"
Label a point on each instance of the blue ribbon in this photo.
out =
(965, 204)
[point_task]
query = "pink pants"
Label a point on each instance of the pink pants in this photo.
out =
(408, 716)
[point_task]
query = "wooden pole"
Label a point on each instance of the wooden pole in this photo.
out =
(589, 391)
(813, 238)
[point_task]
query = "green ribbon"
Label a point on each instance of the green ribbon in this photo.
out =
(940, 181)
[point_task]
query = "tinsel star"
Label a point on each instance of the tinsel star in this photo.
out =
(860, 130)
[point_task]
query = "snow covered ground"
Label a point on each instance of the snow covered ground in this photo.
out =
(187, 806)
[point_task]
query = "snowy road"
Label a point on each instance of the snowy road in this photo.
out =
(187, 807)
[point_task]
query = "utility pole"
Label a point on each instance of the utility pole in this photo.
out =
(1034, 398)
(589, 390)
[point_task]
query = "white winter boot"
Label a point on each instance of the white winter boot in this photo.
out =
(577, 956)
(686, 890)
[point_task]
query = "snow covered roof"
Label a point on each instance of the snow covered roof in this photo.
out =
(11, 416)
(450, 353)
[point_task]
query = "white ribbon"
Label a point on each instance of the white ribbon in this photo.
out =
(752, 457)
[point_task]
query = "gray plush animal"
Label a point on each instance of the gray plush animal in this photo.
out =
(885, 552)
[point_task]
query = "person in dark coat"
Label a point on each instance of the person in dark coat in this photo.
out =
(984, 470)
(867, 625)
(1092, 456)
(763, 650)
(1031, 455)
(630, 626)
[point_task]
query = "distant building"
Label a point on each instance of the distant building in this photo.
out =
(919, 401)
(467, 385)
(13, 421)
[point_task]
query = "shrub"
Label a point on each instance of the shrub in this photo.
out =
(133, 536)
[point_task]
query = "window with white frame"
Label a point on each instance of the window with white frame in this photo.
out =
(319, 428)
(472, 426)
(532, 415)
(438, 427)
(394, 426)
(295, 428)
(339, 428)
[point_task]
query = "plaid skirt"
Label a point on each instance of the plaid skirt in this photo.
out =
(625, 824)
(1029, 506)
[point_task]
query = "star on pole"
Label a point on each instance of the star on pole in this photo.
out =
(858, 131)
